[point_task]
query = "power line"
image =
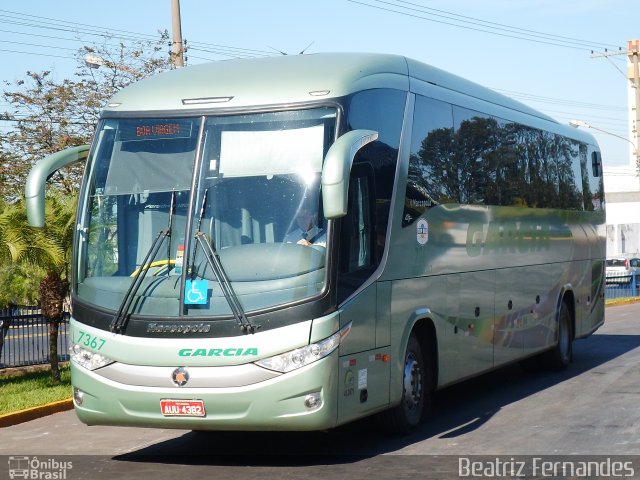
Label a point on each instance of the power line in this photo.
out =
(600, 119)
(39, 45)
(503, 26)
(485, 26)
(89, 29)
(54, 24)
(34, 53)
(48, 120)
(104, 34)
(560, 101)
(200, 58)
(40, 35)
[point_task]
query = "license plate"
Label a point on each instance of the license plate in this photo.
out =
(182, 408)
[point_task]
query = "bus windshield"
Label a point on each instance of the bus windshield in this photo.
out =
(247, 185)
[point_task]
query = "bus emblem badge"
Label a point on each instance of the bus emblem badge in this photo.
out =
(422, 231)
(180, 377)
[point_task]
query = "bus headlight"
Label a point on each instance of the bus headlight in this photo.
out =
(88, 359)
(288, 361)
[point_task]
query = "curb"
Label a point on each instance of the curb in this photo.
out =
(28, 414)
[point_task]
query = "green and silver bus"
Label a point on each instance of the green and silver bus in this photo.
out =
(454, 231)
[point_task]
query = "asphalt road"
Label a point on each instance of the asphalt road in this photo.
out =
(590, 409)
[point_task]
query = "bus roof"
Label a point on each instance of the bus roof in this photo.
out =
(293, 79)
(257, 82)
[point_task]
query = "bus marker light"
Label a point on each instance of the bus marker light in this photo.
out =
(78, 396)
(313, 401)
(201, 101)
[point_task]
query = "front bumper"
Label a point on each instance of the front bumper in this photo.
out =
(274, 404)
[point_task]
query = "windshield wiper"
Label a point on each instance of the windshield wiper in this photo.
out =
(221, 276)
(225, 285)
(119, 322)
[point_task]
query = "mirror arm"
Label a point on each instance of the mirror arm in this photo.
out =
(34, 189)
(337, 168)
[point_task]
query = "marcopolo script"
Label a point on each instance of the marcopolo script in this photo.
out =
(178, 328)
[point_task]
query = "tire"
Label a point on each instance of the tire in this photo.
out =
(417, 391)
(560, 356)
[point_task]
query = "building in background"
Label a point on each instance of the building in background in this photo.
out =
(622, 184)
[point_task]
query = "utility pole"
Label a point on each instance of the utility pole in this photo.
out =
(633, 51)
(177, 52)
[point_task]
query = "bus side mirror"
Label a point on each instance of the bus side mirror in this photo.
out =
(336, 170)
(40, 173)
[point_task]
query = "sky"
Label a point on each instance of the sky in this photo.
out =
(536, 51)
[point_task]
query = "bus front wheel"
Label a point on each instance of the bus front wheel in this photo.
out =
(417, 391)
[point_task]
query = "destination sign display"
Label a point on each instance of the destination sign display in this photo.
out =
(155, 129)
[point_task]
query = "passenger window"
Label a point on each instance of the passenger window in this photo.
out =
(357, 239)
(431, 141)
(596, 163)
(381, 110)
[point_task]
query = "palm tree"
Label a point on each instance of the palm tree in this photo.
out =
(54, 288)
(48, 249)
(13, 245)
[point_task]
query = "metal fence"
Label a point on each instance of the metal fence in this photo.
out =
(623, 285)
(25, 337)
(25, 333)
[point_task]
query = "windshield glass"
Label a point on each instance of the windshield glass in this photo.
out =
(256, 204)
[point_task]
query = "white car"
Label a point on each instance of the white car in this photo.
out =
(620, 270)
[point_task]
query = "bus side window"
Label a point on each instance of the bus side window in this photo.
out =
(357, 234)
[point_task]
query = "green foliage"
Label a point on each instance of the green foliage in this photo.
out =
(19, 284)
(60, 215)
(27, 254)
(489, 162)
(50, 115)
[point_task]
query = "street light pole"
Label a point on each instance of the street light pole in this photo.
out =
(633, 51)
(95, 61)
(636, 152)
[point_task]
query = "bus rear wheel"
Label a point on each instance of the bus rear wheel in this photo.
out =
(417, 391)
(560, 356)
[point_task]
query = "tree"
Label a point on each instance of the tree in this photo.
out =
(54, 287)
(51, 115)
(23, 252)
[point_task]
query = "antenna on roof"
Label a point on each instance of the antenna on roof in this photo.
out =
(279, 51)
(305, 48)
(285, 53)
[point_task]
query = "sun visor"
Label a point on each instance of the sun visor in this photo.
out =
(273, 152)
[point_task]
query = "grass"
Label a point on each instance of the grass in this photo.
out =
(33, 389)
